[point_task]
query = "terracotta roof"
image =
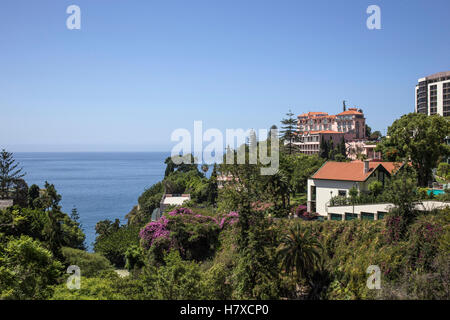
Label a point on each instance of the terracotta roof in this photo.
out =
(389, 166)
(350, 111)
(351, 171)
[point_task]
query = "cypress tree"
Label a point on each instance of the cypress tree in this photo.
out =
(342, 149)
(331, 149)
(324, 149)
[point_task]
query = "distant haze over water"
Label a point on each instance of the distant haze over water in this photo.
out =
(101, 185)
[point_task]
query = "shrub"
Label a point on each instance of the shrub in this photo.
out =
(394, 228)
(300, 210)
(423, 244)
(107, 287)
(114, 245)
(175, 280)
(217, 282)
(134, 258)
(91, 264)
(376, 188)
(195, 236)
(27, 270)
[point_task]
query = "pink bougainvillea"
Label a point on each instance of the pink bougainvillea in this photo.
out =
(154, 230)
(161, 228)
(229, 219)
(180, 211)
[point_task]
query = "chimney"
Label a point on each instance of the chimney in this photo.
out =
(366, 166)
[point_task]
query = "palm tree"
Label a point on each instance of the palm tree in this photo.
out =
(299, 252)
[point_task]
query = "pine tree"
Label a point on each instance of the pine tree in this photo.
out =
(9, 173)
(289, 127)
(74, 214)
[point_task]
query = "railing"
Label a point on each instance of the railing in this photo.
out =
(360, 200)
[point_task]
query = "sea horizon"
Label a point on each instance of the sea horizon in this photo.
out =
(100, 185)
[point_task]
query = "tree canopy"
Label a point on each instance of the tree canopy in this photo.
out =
(417, 138)
(9, 173)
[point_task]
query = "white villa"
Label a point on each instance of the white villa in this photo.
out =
(173, 200)
(337, 178)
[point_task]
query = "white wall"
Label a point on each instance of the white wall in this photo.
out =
(323, 189)
(385, 207)
(370, 208)
(6, 203)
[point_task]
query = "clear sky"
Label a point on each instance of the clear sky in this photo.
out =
(137, 70)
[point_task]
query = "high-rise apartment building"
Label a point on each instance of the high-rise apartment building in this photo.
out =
(433, 94)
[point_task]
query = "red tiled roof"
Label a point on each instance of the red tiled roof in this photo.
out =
(389, 166)
(351, 171)
(350, 111)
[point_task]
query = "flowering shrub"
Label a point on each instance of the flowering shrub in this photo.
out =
(395, 226)
(180, 211)
(195, 236)
(309, 215)
(300, 210)
(153, 231)
(423, 244)
(230, 219)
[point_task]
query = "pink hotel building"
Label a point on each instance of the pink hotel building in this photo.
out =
(312, 126)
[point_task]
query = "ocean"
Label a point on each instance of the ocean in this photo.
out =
(101, 185)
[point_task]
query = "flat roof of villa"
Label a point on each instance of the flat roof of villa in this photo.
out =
(176, 199)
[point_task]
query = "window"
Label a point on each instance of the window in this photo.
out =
(381, 215)
(433, 99)
(336, 216)
(350, 216)
(367, 216)
(342, 193)
(313, 193)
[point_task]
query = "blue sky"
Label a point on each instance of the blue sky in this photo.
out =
(137, 70)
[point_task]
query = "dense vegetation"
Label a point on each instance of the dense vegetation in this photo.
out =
(236, 241)
(314, 260)
(419, 138)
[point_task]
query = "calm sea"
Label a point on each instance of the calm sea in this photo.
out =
(100, 185)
